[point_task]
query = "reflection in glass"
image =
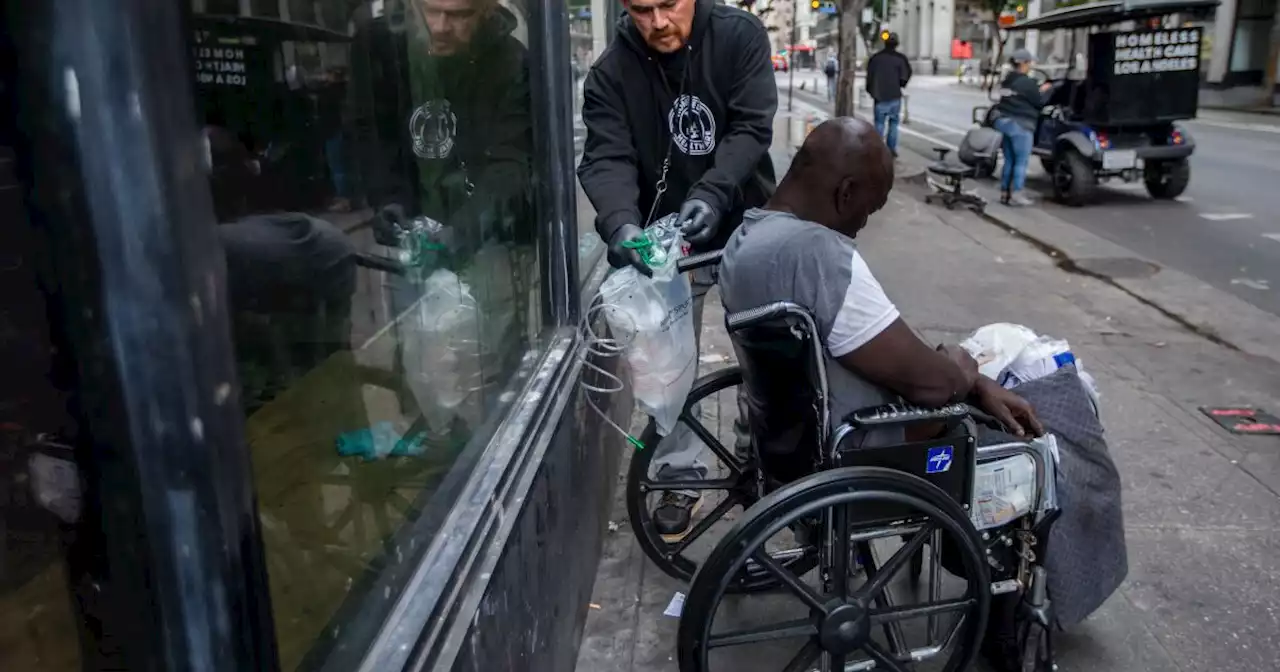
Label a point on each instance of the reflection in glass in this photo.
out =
(372, 178)
(39, 488)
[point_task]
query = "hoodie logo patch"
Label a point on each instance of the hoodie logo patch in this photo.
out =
(692, 126)
(433, 127)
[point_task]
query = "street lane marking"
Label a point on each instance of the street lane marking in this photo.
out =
(1261, 128)
(823, 116)
(943, 127)
(1272, 236)
(1260, 284)
(1225, 216)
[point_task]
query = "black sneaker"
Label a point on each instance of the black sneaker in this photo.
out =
(674, 514)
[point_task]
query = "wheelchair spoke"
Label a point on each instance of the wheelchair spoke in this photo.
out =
(835, 662)
(765, 633)
(840, 552)
(711, 442)
(895, 614)
(705, 524)
(882, 657)
(803, 660)
(800, 588)
(878, 578)
(698, 485)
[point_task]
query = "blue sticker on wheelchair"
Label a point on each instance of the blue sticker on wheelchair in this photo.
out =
(939, 460)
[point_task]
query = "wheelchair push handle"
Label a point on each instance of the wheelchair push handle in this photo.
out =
(695, 261)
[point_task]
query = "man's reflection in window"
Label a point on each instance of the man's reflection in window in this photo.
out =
(290, 277)
(443, 123)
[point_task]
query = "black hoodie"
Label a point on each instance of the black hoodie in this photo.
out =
(449, 137)
(722, 131)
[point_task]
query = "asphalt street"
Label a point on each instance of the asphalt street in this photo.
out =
(1225, 230)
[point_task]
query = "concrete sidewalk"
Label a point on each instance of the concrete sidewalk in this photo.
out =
(1201, 505)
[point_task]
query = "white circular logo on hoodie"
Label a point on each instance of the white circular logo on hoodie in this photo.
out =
(692, 126)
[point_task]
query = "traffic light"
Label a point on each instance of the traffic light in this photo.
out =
(884, 36)
(815, 5)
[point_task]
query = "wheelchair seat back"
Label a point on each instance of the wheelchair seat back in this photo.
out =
(785, 387)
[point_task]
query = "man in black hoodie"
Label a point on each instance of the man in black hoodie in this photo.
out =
(443, 125)
(679, 115)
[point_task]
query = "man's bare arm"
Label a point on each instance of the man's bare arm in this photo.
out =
(896, 359)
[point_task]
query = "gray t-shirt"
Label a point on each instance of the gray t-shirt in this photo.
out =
(776, 256)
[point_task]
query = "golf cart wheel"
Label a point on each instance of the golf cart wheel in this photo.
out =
(1073, 178)
(1167, 179)
(739, 485)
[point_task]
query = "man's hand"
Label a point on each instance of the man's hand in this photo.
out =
(698, 221)
(1046, 86)
(1010, 409)
(386, 224)
(620, 256)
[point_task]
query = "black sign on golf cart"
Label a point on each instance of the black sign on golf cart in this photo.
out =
(1144, 76)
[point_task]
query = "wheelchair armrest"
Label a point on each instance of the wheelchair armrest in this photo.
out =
(904, 414)
(694, 261)
(766, 313)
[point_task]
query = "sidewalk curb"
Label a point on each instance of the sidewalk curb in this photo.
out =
(1206, 311)
(1211, 313)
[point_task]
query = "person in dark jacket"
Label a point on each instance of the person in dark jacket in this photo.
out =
(1016, 116)
(887, 74)
(679, 115)
(443, 124)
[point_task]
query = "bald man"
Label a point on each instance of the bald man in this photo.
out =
(800, 248)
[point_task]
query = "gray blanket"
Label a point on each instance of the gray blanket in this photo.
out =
(1087, 559)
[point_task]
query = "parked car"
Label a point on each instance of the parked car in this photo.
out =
(779, 63)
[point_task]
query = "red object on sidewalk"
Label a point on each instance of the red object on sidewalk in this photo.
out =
(1243, 419)
(961, 49)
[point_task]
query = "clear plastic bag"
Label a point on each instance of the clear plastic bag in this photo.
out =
(996, 345)
(653, 317)
(441, 351)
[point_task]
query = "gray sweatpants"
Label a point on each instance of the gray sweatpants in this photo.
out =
(676, 457)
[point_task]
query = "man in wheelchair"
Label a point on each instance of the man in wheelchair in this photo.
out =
(800, 248)
(841, 476)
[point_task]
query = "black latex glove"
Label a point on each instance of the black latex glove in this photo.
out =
(386, 223)
(620, 257)
(698, 221)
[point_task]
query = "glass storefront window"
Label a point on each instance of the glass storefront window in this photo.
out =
(373, 180)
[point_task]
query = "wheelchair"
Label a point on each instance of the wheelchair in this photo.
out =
(844, 507)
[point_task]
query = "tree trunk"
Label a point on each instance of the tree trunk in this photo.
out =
(989, 81)
(1272, 76)
(846, 94)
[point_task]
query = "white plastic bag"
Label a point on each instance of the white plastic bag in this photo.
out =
(996, 345)
(653, 317)
(1037, 359)
(441, 351)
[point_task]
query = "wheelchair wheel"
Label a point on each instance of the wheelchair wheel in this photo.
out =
(740, 484)
(841, 622)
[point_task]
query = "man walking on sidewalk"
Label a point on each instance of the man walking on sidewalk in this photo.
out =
(887, 73)
(679, 116)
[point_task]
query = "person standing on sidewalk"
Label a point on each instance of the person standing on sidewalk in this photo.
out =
(1016, 117)
(831, 69)
(679, 115)
(887, 74)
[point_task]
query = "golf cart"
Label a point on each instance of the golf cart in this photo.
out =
(1120, 119)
